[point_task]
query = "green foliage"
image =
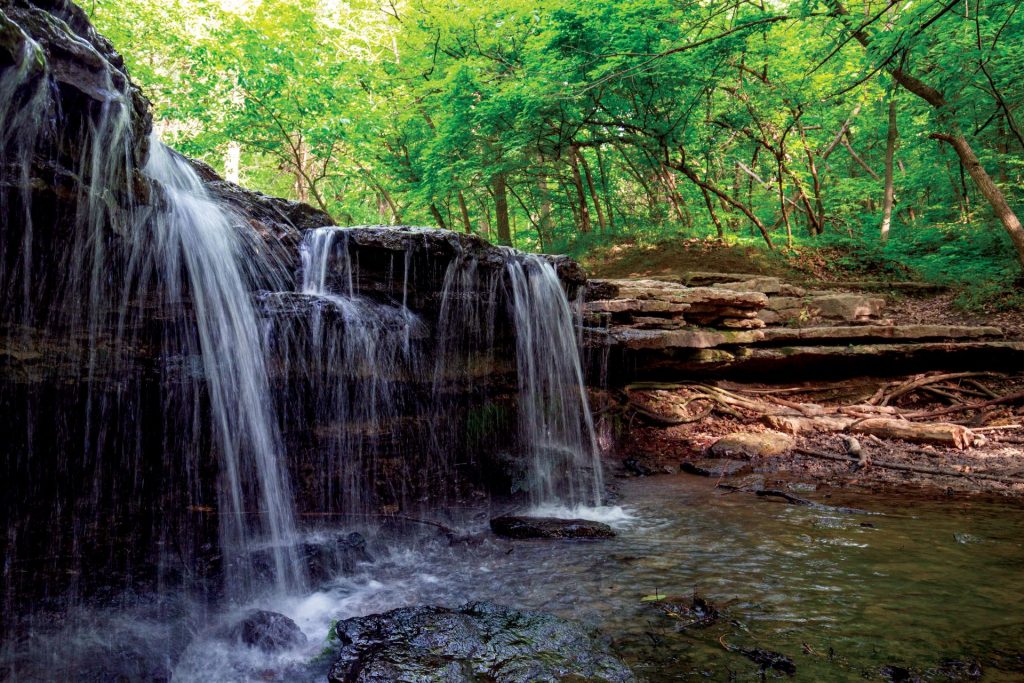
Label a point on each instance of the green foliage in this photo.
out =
(979, 262)
(331, 643)
(607, 121)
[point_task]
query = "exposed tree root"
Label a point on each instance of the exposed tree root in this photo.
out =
(912, 468)
(871, 416)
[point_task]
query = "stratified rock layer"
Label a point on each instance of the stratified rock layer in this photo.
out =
(729, 324)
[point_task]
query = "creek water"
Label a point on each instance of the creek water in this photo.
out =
(919, 585)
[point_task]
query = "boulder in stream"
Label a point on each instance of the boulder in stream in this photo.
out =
(511, 526)
(479, 641)
(268, 631)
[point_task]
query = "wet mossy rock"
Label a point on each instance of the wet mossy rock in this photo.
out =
(268, 631)
(752, 445)
(550, 528)
(476, 642)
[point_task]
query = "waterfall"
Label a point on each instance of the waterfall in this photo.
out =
(377, 377)
(194, 235)
(123, 270)
(173, 397)
(555, 423)
(24, 97)
(354, 359)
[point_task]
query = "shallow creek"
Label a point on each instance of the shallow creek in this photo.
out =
(929, 586)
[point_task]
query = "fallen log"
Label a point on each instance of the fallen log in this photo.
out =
(935, 471)
(938, 433)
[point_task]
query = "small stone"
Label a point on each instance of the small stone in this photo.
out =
(752, 445)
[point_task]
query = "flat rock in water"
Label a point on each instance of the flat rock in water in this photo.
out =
(549, 527)
(752, 445)
(715, 467)
(476, 642)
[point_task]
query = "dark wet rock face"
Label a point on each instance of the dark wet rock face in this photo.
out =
(476, 642)
(322, 560)
(549, 527)
(268, 631)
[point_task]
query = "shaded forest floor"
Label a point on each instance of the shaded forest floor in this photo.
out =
(992, 465)
(641, 418)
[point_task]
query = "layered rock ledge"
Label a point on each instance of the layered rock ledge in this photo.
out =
(727, 324)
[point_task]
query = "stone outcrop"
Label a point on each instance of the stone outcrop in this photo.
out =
(714, 324)
(752, 445)
(476, 642)
(657, 304)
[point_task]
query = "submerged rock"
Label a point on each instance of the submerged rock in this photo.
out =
(268, 631)
(476, 642)
(511, 526)
(323, 559)
(715, 467)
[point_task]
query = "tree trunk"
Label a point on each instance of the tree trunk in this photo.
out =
(953, 137)
(465, 214)
(609, 209)
(544, 224)
(501, 210)
(782, 208)
(233, 162)
(817, 224)
(711, 210)
(581, 197)
(438, 218)
(988, 189)
(593, 193)
(890, 153)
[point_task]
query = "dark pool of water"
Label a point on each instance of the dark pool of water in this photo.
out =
(929, 587)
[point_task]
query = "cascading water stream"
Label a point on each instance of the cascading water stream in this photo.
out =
(369, 348)
(555, 423)
(196, 236)
(355, 356)
(150, 404)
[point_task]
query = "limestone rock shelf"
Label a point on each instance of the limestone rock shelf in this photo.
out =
(730, 324)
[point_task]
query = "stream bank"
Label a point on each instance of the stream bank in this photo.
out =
(875, 385)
